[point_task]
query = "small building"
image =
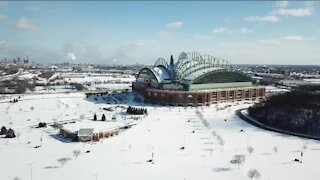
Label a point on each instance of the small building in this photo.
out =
(85, 134)
(88, 130)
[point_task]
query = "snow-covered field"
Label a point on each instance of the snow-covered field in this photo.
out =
(96, 78)
(313, 80)
(162, 133)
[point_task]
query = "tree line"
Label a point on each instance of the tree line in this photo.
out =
(297, 111)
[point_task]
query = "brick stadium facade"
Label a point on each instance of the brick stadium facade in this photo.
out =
(195, 80)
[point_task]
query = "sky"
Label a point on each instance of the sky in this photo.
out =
(129, 32)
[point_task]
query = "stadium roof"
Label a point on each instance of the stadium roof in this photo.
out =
(188, 67)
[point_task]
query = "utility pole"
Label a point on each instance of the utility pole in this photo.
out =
(248, 137)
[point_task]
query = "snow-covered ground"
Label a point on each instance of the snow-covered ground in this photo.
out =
(90, 81)
(313, 80)
(28, 75)
(53, 89)
(96, 78)
(272, 90)
(162, 133)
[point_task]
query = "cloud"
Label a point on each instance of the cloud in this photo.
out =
(200, 37)
(309, 3)
(3, 45)
(75, 50)
(165, 34)
(24, 23)
(144, 43)
(71, 56)
(268, 41)
(245, 30)
(2, 17)
(139, 51)
(267, 18)
(282, 10)
(175, 25)
(282, 3)
(3, 3)
(219, 30)
(224, 29)
(133, 53)
(293, 38)
(33, 8)
(297, 12)
(285, 38)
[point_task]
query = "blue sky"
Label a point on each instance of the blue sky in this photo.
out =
(127, 32)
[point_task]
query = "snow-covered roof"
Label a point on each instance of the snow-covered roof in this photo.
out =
(199, 73)
(96, 126)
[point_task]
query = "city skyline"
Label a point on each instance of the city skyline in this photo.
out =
(126, 32)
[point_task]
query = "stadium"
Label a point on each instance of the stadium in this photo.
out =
(195, 80)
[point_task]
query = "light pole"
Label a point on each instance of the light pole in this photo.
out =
(31, 170)
(96, 175)
(248, 137)
(152, 154)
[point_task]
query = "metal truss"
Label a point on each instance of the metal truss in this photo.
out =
(189, 63)
(161, 62)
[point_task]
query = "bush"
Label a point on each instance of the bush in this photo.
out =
(253, 173)
(21, 88)
(3, 130)
(103, 118)
(10, 133)
(238, 159)
(40, 125)
(136, 111)
(78, 86)
(46, 74)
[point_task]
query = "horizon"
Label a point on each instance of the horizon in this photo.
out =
(130, 32)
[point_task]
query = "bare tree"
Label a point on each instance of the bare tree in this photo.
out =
(76, 153)
(254, 174)
(16, 178)
(63, 161)
(305, 146)
(220, 140)
(214, 133)
(275, 149)
(238, 159)
(18, 136)
(250, 150)
(82, 116)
